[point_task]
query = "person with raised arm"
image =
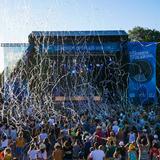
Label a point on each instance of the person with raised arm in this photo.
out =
(143, 144)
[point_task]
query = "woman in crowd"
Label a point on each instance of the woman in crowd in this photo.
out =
(132, 154)
(143, 144)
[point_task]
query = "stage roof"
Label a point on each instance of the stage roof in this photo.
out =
(79, 33)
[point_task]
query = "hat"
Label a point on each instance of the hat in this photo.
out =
(121, 143)
(98, 127)
(42, 146)
(57, 145)
(155, 136)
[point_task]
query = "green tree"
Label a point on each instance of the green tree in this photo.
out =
(144, 34)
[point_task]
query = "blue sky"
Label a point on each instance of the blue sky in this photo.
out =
(19, 17)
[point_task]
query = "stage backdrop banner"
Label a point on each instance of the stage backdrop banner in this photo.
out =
(142, 72)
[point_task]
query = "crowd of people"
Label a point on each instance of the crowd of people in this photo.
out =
(70, 135)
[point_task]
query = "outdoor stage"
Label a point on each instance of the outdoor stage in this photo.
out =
(81, 66)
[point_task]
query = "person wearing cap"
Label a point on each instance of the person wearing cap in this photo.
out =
(57, 154)
(42, 153)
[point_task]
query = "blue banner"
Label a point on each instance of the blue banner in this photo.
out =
(142, 72)
(109, 47)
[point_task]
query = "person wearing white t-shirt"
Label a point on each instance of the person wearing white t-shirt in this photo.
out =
(97, 154)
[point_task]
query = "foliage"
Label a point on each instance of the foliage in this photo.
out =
(144, 34)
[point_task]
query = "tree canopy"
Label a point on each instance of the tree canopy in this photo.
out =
(144, 34)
